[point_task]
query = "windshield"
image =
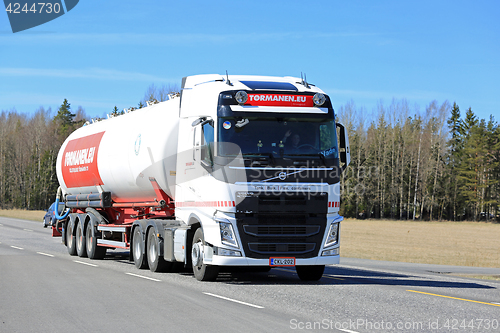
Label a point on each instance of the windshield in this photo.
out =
(278, 136)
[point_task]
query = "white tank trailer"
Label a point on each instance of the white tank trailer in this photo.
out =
(235, 171)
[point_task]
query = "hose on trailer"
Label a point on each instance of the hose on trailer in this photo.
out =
(58, 195)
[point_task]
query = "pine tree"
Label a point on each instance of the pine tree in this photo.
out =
(64, 119)
(455, 144)
(470, 168)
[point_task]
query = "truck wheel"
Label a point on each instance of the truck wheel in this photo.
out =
(93, 250)
(70, 238)
(310, 273)
(156, 262)
(81, 245)
(202, 272)
(138, 252)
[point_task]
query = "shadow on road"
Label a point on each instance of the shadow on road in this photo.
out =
(345, 276)
(337, 275)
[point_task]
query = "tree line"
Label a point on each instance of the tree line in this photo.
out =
(29, 145)
(28, 153)
(430, 165)
(405, 164)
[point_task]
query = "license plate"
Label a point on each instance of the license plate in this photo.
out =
(281, 261)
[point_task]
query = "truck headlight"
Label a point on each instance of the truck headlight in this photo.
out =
(219, 251)
(241, 97)
(332, 252)
(227, 235)
(333, 235)
(319, 99)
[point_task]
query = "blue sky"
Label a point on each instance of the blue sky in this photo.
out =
(107, 53)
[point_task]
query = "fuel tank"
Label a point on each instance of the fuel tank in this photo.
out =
(123, 155)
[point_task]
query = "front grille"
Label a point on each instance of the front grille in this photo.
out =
(274, 248)
(272, 200)
(281, 225)
(281, 230)
(292, 219)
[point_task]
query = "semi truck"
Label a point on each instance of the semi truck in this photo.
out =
(234, 171)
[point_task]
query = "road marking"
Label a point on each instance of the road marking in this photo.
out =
(143, 277)
(85, 263)
(236, 301)
(46, 254)
(348, 331)
(27, 230)
(15, 247)
(460, 299)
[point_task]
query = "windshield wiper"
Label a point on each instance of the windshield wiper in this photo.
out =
(321, 157)
(270, 159)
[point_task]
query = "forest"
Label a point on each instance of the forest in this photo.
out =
(432, 165)
(436, 164)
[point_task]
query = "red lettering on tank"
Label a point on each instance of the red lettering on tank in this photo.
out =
(79, 162)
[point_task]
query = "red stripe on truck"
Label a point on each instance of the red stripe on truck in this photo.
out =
(79, 162)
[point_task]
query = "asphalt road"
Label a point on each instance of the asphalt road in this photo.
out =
(44, 289)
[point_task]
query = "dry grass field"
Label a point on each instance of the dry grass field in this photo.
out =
(447, 243)
(33, 215)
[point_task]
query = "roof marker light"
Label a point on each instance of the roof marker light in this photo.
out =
(241, 97)
(319, 99)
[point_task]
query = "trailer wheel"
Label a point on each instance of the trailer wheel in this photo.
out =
(310, 273)
(138, 252)
(93, 250)
(156, 262)
(70, 238)
(201, 271)
(81, 245)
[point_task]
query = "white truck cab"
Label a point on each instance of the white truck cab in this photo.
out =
(258, 170)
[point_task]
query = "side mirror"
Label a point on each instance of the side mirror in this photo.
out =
(202, 121)
(344, 150)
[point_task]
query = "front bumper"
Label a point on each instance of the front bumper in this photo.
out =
(242, 261)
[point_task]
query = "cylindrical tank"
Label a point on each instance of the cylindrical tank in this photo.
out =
(121, 154)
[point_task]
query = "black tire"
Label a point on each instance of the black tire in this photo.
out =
(93, 250)
(202, 272)
(138, 252)
(310, 273)
(156, 262)
(70, 238)
(81, 244)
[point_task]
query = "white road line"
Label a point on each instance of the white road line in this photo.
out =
(46, 254)
(85, 263)
(15, 247)
(348, 331)
(27, 230)
(143, 277)
(236, 301)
